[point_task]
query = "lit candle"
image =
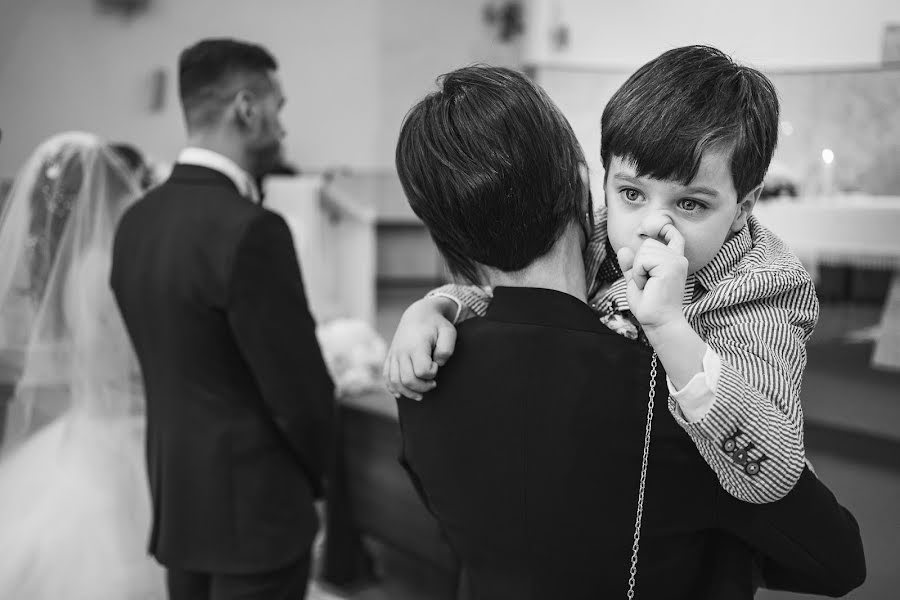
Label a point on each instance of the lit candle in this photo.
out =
(827, 172)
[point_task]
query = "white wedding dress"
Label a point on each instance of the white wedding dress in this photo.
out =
(74, 499)
(75, 512)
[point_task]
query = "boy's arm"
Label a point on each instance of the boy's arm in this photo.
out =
(426, 336)
(752, 434)
(470, 300)
(757, 323)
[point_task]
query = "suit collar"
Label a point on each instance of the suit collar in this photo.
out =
(202, 157)
(539, 306)
(196, 175)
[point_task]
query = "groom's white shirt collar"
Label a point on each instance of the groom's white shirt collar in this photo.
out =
(201, 157)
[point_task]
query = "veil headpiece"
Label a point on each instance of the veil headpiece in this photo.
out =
(59, 325)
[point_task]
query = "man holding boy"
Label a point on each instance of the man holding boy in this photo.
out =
(534, 453)
(685, 143)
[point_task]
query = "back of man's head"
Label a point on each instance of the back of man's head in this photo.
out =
(684, 102)
(492, 168)
(212, 71)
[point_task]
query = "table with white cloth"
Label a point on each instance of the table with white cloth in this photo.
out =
(853, 230)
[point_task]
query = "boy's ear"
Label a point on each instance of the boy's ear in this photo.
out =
(745, 207)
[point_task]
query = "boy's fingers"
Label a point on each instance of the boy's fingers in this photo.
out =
(625, 256)
(386, 370)
(395, 385)
(640, 270)
(445, 344)
(632, 287)
(391, 379)
(412, 386)
(423, 366)
(652, 226)
(673, 238)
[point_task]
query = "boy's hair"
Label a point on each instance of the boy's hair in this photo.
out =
(685, 102)
(211, 71)
(492, 168)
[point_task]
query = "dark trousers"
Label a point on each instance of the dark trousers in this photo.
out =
(286, 583)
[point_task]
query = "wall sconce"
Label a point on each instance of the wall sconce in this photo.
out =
(159, 80)
(559, 30)
(507, 18)
(125, 8)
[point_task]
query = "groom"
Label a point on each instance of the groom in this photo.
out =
(239, 401)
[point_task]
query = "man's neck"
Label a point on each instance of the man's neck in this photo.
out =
(221, 145)
(561, 269)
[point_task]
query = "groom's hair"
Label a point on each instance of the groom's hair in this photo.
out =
(213, 70)
(492, 168)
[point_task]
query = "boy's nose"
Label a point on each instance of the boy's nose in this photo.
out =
(651, 227)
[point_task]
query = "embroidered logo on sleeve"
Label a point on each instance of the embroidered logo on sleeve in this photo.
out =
(741, 455)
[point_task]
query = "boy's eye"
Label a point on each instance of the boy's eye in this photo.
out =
(690, 205)
(631, 195)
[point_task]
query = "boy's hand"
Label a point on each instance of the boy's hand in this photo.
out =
(656, 275)
(424, 340)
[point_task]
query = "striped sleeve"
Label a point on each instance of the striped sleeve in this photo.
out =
(472, 297)
(753, 435)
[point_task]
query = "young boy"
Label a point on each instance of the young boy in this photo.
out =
(677, 259)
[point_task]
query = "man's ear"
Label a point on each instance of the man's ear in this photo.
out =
(745, 207)
(244, 107)
(586, 201)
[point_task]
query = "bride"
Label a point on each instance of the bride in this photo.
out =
(74, 501)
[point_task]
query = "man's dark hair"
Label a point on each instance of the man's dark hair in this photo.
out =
(492, 168)
(211, 71)
(685, 102)
(129, 155)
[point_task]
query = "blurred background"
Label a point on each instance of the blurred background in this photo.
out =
(352, 68)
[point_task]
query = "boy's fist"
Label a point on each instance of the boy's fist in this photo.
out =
(424, 340)
(656, 274)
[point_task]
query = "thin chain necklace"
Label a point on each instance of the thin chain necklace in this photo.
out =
(640, 502)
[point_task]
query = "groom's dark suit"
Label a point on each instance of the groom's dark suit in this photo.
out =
(528, 453)
(239, 401)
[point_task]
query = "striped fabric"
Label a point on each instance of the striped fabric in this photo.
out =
(755, 305)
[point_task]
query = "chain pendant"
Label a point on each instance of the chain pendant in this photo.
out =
(640, 502)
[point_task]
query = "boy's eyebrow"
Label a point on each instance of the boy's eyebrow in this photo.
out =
(628, 178)
(702, 190)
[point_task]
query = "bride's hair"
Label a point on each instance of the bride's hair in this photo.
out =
(59, 326)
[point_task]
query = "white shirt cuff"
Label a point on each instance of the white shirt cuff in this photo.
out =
(455, 301)
(696, 398)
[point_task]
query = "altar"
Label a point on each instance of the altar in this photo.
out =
(855, 230)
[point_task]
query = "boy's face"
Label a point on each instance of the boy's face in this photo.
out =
(705, 211)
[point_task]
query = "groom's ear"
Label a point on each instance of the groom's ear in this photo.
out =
(243, 107)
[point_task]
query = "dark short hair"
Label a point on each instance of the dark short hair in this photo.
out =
(684, 102)
(129, 155)
(207, 72)
(492, 168)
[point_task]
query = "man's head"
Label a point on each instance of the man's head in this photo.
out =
(492, 168)
(230, 88)
(688, 138)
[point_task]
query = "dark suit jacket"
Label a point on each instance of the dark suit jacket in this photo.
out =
(239, 401)
(528, 453)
